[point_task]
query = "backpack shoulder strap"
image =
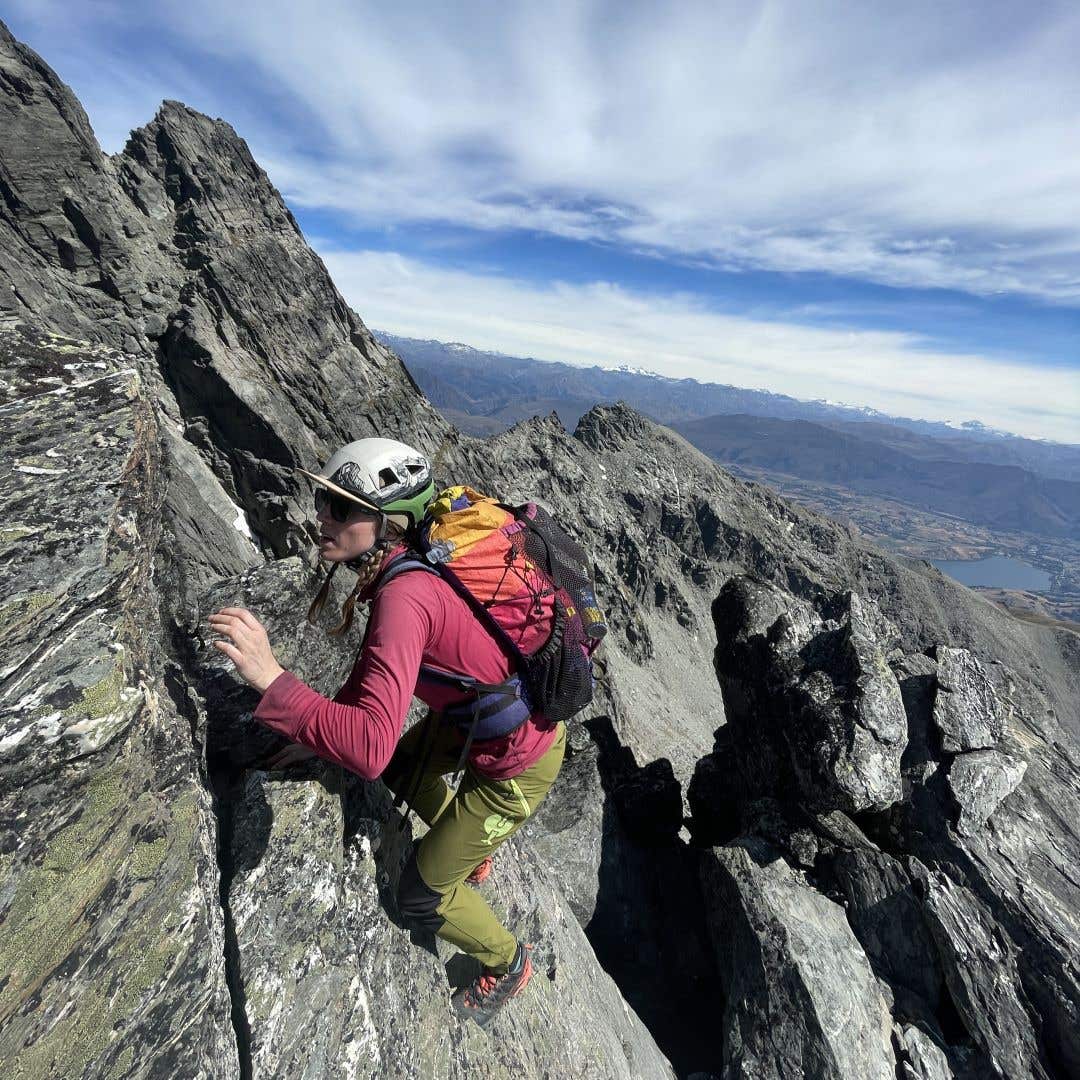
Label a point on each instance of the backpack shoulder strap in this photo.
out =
(399, 565)
(493, 626)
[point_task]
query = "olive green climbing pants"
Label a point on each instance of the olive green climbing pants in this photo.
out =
(464, 828)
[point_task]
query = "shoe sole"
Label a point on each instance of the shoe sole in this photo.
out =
(482, 1020)
(480, 874)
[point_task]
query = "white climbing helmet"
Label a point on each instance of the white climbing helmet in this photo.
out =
(382, 475)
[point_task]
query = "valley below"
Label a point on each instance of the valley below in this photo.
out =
(919, 489)
(915, 533)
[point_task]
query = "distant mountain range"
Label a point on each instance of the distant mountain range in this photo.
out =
(870, 459)
(485, 392)
(986, 477)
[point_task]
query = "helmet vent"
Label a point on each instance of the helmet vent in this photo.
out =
(387, 478)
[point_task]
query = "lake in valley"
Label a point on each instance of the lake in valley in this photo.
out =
(996, 572)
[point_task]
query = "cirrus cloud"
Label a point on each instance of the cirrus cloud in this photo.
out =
(914, 145)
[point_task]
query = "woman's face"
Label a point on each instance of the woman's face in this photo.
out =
(340, 541)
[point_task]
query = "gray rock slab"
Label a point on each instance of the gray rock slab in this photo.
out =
(979, 781)
(802, 999)
(885, 912)
(816, 711)
(923, 1058)
(569, 831)
(980, 966)
(70, 552)
(111, 935)
(966, 709)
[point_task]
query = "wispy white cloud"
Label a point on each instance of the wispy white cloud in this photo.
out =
(916, 144)
(679, 336)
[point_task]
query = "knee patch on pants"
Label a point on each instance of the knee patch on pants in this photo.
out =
(416, 900)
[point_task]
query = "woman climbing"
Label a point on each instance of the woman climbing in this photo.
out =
(369, 499)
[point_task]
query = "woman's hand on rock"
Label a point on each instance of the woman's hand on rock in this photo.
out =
(292, 754)
(248, 646)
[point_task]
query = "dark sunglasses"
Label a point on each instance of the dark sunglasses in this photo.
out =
(340, 507)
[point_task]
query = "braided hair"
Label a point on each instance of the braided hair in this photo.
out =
(367, 567)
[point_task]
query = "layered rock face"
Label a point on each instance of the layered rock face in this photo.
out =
(111, 939)
(180, 252)
(953, 881)
(872, 869)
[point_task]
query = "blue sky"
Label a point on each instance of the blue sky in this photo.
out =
(866, 202)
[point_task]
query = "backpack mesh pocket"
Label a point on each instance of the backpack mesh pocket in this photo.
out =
(559, 675)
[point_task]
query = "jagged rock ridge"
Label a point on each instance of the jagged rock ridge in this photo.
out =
(957, 891)
(895, 788)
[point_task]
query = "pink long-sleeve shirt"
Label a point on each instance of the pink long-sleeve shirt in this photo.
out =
(416, 618)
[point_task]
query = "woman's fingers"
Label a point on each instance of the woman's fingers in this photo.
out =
(231, 625)
(248, 646)
(290, 755)
(231, 651)
(226, 619)
(244, 616)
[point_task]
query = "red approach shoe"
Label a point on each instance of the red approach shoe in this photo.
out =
(489, 992)
(480, 873)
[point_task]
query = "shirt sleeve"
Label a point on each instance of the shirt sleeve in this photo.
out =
(359, 729)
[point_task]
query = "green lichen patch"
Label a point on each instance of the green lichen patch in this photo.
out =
(148, 857)
(123, 1064)
(84, 1035)
(18, 612)
(103, 697)
(185, 813)
(45, 919)
(291, 805)
(13, 533)
(50, 919)
(155, 957)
